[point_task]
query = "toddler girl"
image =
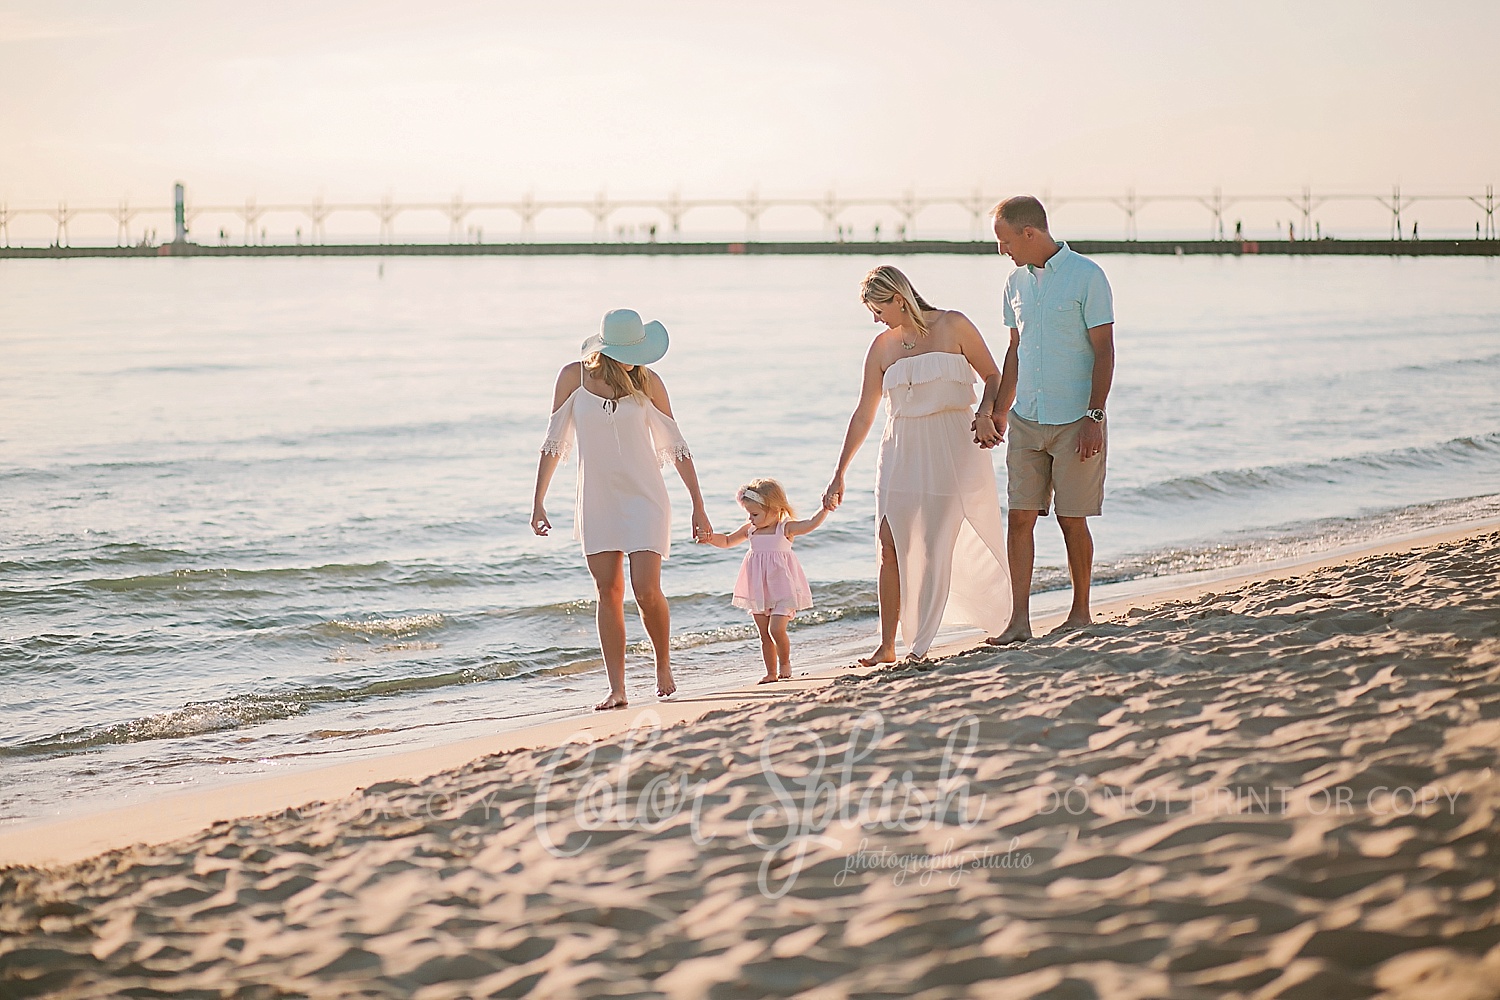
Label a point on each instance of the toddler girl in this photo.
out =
(771, 585)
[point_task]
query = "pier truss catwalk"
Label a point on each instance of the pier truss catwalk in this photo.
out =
(670, 211)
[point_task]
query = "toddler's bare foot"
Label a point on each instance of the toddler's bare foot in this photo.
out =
(613, 701)
(885, 654)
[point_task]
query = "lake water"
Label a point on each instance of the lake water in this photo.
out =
(261, 514)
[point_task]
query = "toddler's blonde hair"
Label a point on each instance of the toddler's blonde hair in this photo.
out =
(769, 494)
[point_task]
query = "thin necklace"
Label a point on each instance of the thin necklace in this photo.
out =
(908, 346)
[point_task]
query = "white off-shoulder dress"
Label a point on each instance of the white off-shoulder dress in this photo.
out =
(936, 489)
(623, 444)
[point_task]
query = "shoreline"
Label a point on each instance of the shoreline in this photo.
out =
(51, 842)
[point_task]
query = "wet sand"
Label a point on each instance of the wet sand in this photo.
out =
(1284, 789)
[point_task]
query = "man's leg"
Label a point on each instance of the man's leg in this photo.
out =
(1080, 544)
(1080, 495)
(1028, 480)
(1020, 551)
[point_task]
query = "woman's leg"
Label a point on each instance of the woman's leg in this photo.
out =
(608, 569)
(767, 647)
(783, 647)
(889, 590)
(656, 615)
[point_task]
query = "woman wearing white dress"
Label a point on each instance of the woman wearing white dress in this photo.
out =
(937, 511)
(618, 411)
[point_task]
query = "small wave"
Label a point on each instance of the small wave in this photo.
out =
(239, 711)
(1453, 364)
(1246, 482)
(76, 577)
(193, 719)
(1275, 544)
(403, 625)
(197, 369)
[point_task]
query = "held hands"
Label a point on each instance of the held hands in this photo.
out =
(702, 530)
(834, 495)
(988, 431)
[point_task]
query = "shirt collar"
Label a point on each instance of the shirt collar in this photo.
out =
(1051, 265)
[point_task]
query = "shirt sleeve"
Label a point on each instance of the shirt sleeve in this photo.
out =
(1098, 300)
(560, 432)
(1006, 309)
(665, 436)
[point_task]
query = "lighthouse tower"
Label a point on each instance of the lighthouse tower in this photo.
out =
(179, 212)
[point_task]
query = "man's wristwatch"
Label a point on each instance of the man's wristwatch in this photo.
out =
(1097, 416)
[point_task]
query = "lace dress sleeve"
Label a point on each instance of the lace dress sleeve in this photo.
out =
(667, 439)
(560, 432)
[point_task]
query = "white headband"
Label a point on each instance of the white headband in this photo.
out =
(748, 494)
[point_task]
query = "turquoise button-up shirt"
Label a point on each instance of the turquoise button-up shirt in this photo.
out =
(1053, 307)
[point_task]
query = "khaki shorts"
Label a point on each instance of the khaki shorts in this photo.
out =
(1041, 460)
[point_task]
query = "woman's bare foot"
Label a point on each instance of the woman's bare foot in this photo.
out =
(613, 701)
(786, 676)
(885, 654)
(666, 687)
(768, 679)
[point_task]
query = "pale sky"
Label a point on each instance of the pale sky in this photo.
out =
(352, 99)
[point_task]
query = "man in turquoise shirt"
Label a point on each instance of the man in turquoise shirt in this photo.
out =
(1053, 387)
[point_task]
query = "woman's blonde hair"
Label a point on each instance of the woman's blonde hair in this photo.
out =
(769, 494)
(886, 283)
(624, 381)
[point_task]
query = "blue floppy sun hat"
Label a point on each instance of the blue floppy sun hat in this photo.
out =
(625, 338)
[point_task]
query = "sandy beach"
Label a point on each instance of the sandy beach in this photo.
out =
(1286, 788)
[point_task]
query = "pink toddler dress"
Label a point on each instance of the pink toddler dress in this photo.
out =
(771, 580)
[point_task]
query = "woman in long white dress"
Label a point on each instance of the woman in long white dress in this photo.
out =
(618, 411)
(937, 509)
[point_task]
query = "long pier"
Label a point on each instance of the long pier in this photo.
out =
(890, 248)
(831, 209)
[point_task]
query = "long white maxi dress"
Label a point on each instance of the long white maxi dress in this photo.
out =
(936, 489)
(623, 444)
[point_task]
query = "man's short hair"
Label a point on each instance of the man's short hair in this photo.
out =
(1021, 211)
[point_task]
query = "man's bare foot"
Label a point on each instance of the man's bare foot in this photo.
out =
(1073, 625)
(1012, 635)
(768, 679)
(666, 687)
(613, 701)
(885, 654)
